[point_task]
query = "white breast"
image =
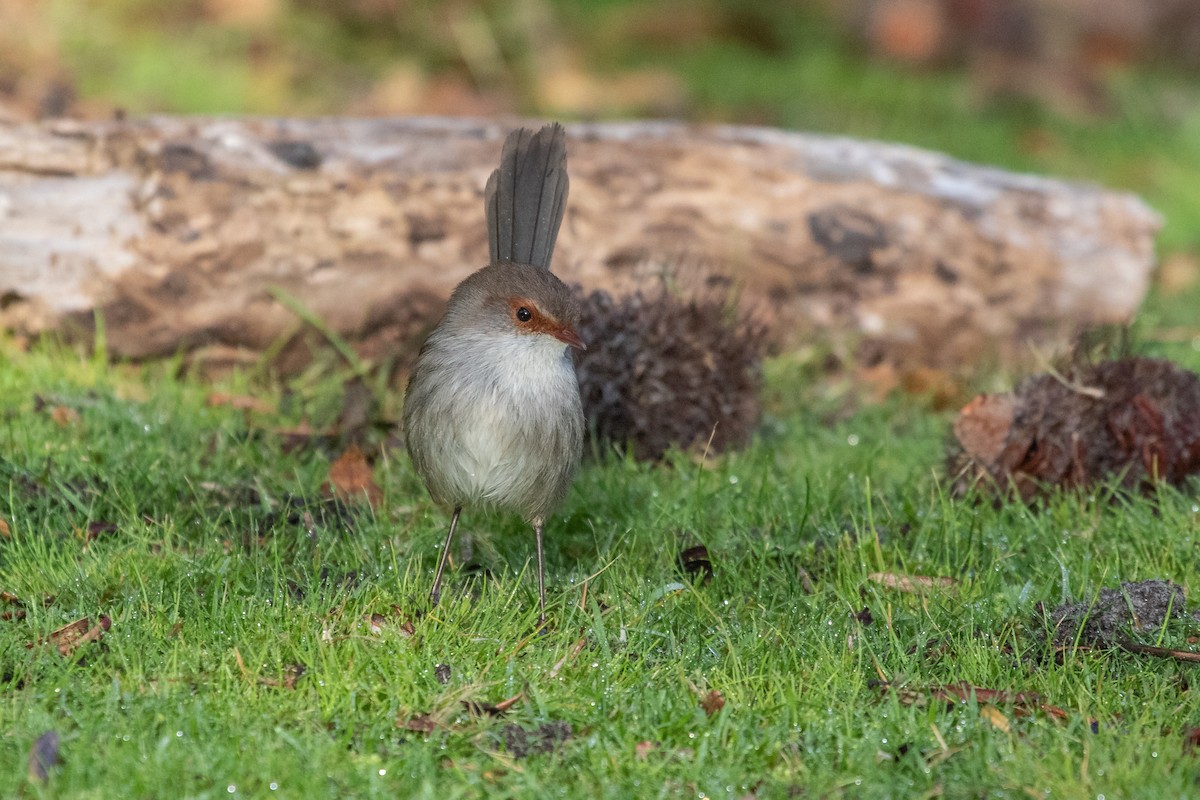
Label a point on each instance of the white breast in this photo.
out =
(495, 421)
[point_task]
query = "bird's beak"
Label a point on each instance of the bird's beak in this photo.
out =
(568, 336)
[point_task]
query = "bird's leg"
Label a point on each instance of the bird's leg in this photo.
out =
(436, 591)
(537, 531)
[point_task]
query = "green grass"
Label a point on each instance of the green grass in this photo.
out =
(210, 557)
(201, 569)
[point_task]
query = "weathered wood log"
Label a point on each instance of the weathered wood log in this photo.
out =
(187, 232)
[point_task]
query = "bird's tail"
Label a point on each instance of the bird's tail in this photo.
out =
(525, 198)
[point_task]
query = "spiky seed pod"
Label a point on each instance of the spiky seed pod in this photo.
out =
(1135, 418)
(662, 371)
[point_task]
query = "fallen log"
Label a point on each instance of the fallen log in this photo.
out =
(204, 235)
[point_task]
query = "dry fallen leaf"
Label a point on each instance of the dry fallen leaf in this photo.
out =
(712, 702)
(421, 723)
(5, 532)
(64, 416)
(489, 710)
(695, 562)
(643, 749)
(70, 637)
(291, 673)
(99, 528)
(570, 656)
(911, 583)
(996, 717)
(1023, 703)
(351, 477)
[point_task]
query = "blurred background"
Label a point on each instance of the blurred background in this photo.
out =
(1101, 90)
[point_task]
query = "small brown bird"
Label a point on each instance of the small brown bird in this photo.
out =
(492, 412)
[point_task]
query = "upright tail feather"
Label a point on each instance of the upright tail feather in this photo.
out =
(525, 198)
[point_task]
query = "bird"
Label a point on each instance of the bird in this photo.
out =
(492, 412)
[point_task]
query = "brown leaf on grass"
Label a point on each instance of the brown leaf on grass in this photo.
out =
(489, 710)
(70, 637)
(696, 563)
(10, 598)
(1023, 703)
(64, 416)
(406, 627)
(43, 757)
(712, 702)
(865, 616)
(291, 673)
(643, 749)
(379, 622)
(806, 581)
(5, 532)
(99, 528)
(911, 583)
(996, 717)
(239, 402)
(570, 656)
(421, 723)
(351, 477)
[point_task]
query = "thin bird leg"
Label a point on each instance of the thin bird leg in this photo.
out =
(537, 531)
(436, 591)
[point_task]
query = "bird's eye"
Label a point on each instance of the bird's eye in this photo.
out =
(524, 314)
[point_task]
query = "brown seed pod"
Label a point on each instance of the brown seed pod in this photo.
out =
(662, 371)
(1134, 418)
